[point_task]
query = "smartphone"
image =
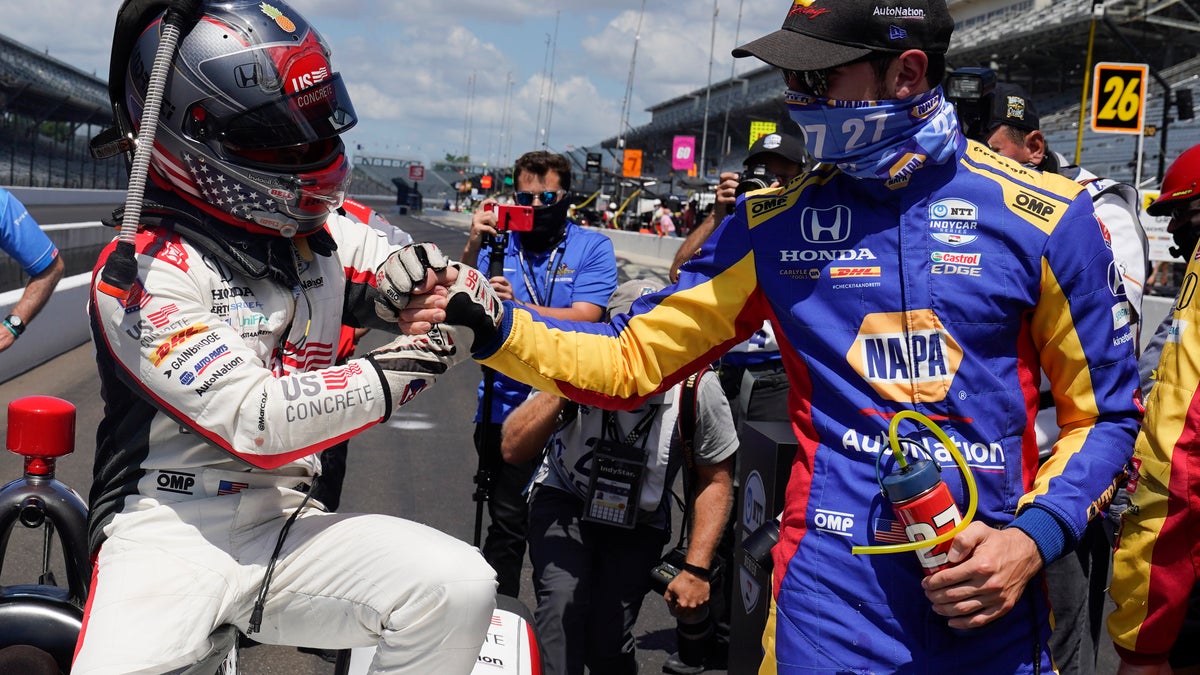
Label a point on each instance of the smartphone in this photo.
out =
(512, 218)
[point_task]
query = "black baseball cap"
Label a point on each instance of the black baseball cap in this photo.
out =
(819, 34)
(1012, 106)
(787, 147)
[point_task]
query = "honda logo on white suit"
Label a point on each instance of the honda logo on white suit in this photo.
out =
(826, 226)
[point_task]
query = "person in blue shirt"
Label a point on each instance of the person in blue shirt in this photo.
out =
(561, 270)
(21, 238)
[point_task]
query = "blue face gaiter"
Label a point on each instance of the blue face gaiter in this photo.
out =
(887, 140)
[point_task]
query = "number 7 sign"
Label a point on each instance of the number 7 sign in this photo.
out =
(1119, 102)
(631, 167)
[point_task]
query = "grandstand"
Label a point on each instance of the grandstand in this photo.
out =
(50, 112)
(383, 175)
(1040, 44)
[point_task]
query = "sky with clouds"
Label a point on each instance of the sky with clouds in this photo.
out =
(409, 64)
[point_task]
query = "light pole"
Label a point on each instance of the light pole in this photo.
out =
(712, 41)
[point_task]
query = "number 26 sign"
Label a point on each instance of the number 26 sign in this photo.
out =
(1119, 101)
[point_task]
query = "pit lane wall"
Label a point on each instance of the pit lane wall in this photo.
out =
(62, 325)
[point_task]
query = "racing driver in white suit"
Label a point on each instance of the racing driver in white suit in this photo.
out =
(218, 381)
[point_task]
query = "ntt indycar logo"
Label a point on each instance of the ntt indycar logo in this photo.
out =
(953, 222)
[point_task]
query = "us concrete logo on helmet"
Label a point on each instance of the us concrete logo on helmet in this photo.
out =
(906, 356)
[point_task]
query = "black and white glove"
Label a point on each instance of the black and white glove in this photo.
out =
(409, 364)
(404, 270)
(472, 304)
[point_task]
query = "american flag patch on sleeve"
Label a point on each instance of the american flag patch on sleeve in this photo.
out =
(228, 487)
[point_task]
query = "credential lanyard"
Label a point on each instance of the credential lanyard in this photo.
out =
(551, 277)
(643, 425)
(614, 491)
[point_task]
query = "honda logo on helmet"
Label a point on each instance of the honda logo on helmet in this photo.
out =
(247, 75)
(826, 226)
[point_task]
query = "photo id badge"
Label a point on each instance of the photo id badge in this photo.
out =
(616, 484)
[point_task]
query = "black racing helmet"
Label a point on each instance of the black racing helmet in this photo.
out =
(252, 112)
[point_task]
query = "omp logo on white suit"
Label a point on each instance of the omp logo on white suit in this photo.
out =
(906, 356)
(825, 226)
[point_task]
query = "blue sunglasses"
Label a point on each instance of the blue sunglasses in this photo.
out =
(526, 198)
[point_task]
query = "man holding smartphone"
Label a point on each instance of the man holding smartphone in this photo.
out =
(559, 269)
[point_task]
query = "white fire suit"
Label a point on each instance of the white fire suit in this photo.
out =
(219, 387)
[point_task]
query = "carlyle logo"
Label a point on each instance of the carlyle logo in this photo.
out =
(906, 356)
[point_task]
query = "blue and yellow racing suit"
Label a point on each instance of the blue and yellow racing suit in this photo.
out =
(945, 293)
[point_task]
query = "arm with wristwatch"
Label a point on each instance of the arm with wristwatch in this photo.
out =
(37, 293)
(24, 240)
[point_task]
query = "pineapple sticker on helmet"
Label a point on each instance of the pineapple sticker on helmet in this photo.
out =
(280, 20)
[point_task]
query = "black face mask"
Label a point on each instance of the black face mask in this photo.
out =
(549, 225)
(1186, 239)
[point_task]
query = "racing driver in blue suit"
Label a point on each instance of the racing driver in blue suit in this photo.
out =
(911, 270)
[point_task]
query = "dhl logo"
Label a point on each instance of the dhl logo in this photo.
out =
(853, 272)
(167, 346)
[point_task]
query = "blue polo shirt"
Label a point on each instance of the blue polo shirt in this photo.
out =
(22, 238)
(582, 268)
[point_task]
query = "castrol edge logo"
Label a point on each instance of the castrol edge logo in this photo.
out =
(917, 363)
(955, 258)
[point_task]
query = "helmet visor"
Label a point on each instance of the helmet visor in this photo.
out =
(303, 118)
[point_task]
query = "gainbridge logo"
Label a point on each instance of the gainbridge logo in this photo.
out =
(906, 356)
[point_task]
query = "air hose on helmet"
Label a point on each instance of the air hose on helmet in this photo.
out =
(922, 501)
(120, 270)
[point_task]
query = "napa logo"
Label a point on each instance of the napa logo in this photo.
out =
(926, 108)
(903, 169)
(906, 356)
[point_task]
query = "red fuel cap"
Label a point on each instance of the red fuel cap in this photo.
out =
(41, 427)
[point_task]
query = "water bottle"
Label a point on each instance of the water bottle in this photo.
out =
(922, 501)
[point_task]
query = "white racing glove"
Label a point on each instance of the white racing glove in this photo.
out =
(410, 363)
(472, 304)
(403, 271)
